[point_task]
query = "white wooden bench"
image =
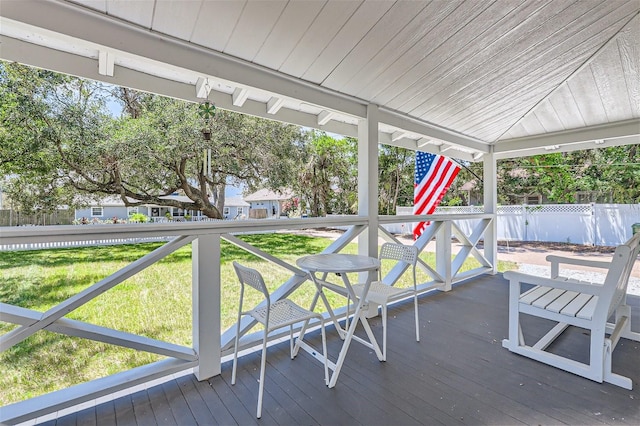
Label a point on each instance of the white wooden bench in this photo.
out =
(580, 304)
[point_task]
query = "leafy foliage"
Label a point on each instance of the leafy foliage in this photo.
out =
(328, 180)
(396, 170)
(600, 175)
(58, 140)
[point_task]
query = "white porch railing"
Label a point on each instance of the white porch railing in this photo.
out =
(208, 348)
(593, 224)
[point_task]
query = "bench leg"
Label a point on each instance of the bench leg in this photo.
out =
(609, 376)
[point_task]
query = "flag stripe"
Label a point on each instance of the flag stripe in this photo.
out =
(428, 182)
(437, 189)
(434, 176)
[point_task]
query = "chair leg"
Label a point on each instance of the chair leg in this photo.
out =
(597, 355)
(291, 341)
(346, 318)
(516, 338)
(415, 301)
(263, 363)
(324, 352)
(235, 355)
(611, 377)
(384, 331)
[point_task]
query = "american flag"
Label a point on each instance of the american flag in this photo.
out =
(434, 175)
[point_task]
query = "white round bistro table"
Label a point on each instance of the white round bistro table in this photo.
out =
(319, 266)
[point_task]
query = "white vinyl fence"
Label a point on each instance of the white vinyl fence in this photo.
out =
(591, 224)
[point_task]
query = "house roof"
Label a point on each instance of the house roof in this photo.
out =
(469, 186)
(268, 195)
(235, 202)
(458, 77)
(108, 201)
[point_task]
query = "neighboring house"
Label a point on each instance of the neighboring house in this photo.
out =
(473, 195)
(266, 203)
(107, 208)
(113, 207)
(235, 208)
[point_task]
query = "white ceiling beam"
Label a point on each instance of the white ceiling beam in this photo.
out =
(324, 117)
(106, 63)
(422, 142)
(386, 138)
(445, 147)
(67, 63)
(430, 131)
(396, 136)
(615, 130)
(114, 34)
(627, 140)
(240, 95)
(202, 88)
(274, 105)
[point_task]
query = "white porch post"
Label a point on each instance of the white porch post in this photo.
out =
(368, 188)
(443, 255)
(206, 305)
(490, 169)
(368, 180)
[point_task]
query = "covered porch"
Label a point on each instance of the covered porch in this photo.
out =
(546, 77)
(458, 374)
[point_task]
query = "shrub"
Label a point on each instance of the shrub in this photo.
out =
(138, 218)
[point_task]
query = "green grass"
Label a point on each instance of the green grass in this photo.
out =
(155, 303)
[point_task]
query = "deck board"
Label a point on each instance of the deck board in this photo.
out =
(177, 403)
(194, 400)
(105, 413)
(458, 373)
(124, 411)
(142, 409)
(161, 410)
(219, 411)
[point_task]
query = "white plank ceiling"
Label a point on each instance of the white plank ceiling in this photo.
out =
(496, 75)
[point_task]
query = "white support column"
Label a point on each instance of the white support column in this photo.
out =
(368, 189)
(490, 173)
(368, 180)
(206, 305)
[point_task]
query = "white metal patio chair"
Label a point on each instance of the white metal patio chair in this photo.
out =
(577, 303)
(272, 316)
(383, 294)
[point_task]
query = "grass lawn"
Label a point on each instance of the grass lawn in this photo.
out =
(155, 303)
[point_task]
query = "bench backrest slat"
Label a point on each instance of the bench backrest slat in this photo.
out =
(617, 280)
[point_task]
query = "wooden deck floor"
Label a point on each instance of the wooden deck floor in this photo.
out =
(458, 374)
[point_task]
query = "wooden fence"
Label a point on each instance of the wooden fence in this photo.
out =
(15, 218)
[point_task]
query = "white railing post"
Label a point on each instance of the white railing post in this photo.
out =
(443, 254)
(490, 174)
(595, 229)
(206, 305)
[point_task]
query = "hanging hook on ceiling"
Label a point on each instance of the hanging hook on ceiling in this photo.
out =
(203, 88)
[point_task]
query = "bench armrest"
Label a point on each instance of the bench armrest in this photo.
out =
(518, 278)
(557, 260)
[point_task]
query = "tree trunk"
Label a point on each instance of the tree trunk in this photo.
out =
(219, 196)
(212, 212)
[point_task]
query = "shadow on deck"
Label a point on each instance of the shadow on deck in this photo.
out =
(458, 374)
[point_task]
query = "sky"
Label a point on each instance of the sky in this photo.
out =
(114, 108)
